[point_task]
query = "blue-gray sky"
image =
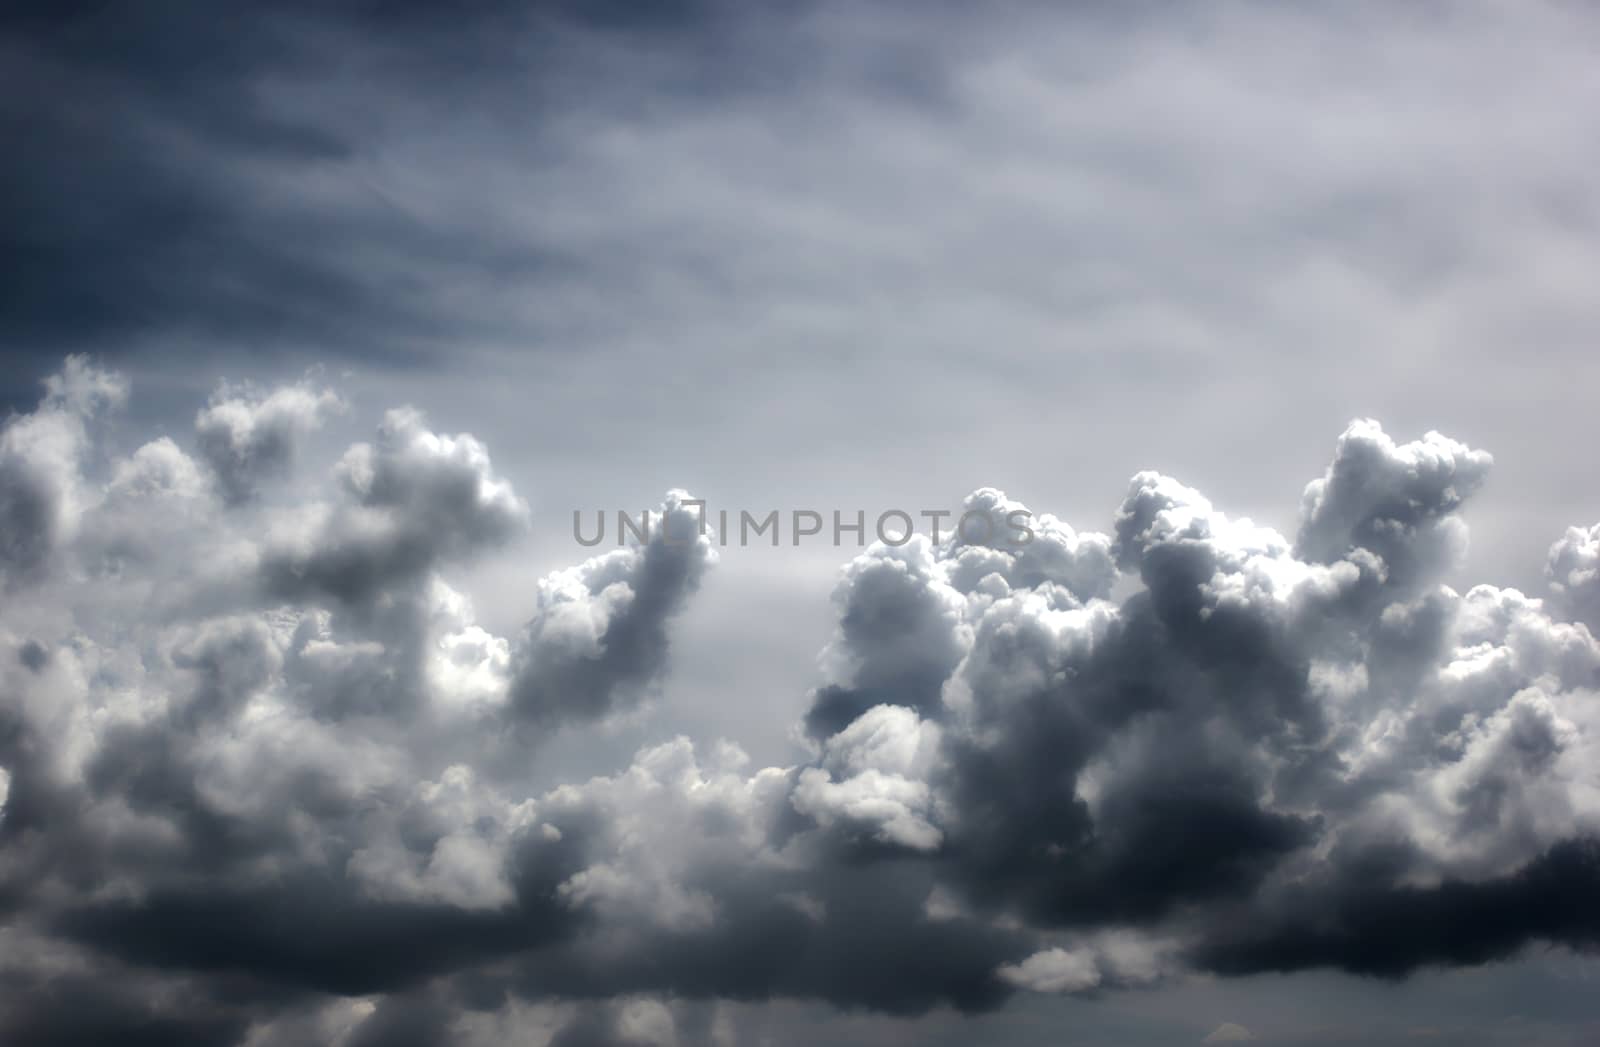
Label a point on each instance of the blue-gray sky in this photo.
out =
(805, 256)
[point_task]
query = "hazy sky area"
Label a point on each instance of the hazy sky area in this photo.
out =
(320, 320)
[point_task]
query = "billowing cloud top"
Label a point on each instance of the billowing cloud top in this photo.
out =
(265, 780)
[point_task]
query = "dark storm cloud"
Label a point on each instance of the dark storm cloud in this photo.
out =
(403, 1022)
(299, 795)
(67, 1011)
(1365, 925)
(900, 637)
(310, 933)
(132, 209)
(32, 655)
(1189, 752)
(27, 508)
(162, 187)
(122, 214)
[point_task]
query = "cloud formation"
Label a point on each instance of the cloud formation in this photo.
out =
(265, 779)
(1574, 572)
(247, 439)
(598, 636)
(40, 454)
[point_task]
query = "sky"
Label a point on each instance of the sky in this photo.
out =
(320, 725)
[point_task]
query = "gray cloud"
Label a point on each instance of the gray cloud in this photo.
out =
(630, 248)
(599, 637)
(246, 440)
(40, 453)
(170, 197)
(1094, 762)
(412, 499)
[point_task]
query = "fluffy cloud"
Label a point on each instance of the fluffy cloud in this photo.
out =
(1055, 970)
(873, 777)
(262, 759)
(247, 439)
(1574, 572)
(598, 638)
(40, 457)
(1396, 501)
(411, 499)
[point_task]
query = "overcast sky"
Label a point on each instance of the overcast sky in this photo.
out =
(320, 321)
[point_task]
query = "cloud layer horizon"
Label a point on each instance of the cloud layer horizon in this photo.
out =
(265, 779)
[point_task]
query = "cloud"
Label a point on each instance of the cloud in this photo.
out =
(1179, 729)
(1228, 1032)
(598, 638)
(1055, 970)
(872, 779)
(1097, 761)
(1573, 569)
(181, 203)
(1262, 729)
(248, 439)
(41, 454)
(410, 500)
(1396, 502)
